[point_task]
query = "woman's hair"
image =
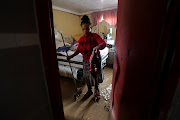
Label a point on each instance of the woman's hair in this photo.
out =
(85, 19)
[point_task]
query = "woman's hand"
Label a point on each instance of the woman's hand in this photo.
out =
(96, 48)
(71, 56)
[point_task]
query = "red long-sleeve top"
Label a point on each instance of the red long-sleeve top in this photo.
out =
(87, 43)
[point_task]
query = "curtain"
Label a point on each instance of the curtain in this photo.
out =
(110, 16)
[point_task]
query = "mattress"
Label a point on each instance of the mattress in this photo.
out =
(77, 61)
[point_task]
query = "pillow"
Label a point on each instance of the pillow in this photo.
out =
(57, 41)
(77, 37)
(58, 36)
(68, 39)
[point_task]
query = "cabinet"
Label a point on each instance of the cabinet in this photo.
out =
(110, 59)
(110, 44)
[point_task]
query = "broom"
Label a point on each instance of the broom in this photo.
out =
(78, 91)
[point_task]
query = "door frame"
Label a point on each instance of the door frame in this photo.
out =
(44, 15)
(44, 19)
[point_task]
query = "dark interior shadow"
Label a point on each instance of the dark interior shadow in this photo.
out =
(74, 107)
(67, 117)
(68, 88)
(69, 102)
(85, 109)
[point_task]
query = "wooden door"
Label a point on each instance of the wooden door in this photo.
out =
(145, 44)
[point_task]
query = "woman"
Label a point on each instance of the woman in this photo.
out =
(88, 43)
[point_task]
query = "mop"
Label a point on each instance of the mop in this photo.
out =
(78, 91)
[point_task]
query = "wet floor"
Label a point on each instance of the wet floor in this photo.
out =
(88, 109)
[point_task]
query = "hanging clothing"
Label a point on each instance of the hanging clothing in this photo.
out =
(96, 66)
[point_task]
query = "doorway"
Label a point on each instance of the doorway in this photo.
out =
(130, 59)
(67, 18)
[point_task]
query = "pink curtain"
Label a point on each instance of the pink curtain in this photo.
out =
(110, 16)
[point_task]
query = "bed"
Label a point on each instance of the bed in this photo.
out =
(77, 61)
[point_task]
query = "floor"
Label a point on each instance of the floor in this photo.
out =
(89, 109)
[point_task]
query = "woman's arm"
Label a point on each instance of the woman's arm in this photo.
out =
(75, 53)
(100, 41)
(99, 47)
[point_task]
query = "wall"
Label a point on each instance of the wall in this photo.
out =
(67, 22)
(23, 88)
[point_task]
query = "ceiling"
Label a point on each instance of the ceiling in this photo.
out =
(81, 7)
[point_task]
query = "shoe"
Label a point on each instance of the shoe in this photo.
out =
(87, 95)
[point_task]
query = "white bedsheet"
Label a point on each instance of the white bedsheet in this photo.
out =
(79, 57)
(66, 71)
